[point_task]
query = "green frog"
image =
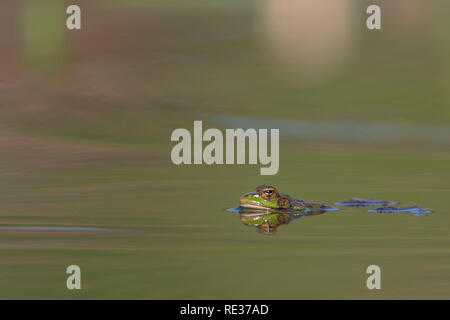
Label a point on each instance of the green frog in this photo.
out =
(268, 197)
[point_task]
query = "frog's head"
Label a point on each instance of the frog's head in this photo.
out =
(264, 197)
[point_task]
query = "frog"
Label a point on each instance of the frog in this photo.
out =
(268, 197)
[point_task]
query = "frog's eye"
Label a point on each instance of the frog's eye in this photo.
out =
(268, 194)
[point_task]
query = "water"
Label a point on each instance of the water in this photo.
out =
(47, 228)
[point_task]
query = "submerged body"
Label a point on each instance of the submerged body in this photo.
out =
(362, 202)
(414, 209)
(267, 197)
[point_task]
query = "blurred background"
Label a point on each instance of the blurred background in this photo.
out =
(85, 123)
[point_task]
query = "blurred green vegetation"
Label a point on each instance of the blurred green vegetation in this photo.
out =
(43, 35)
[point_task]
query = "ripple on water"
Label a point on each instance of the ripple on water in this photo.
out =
(49, 228)
(341, 131)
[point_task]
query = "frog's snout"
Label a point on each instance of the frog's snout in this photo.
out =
(244, 199)
(249, 199)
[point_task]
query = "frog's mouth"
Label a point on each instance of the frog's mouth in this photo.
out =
(255, 206)
(251, 200)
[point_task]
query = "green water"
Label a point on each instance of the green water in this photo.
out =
(182, 244)
(92, 149)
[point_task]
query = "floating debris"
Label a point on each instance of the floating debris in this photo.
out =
(362, 202)
(418, 211)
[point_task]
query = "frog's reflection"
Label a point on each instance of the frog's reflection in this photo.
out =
(267, 221)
